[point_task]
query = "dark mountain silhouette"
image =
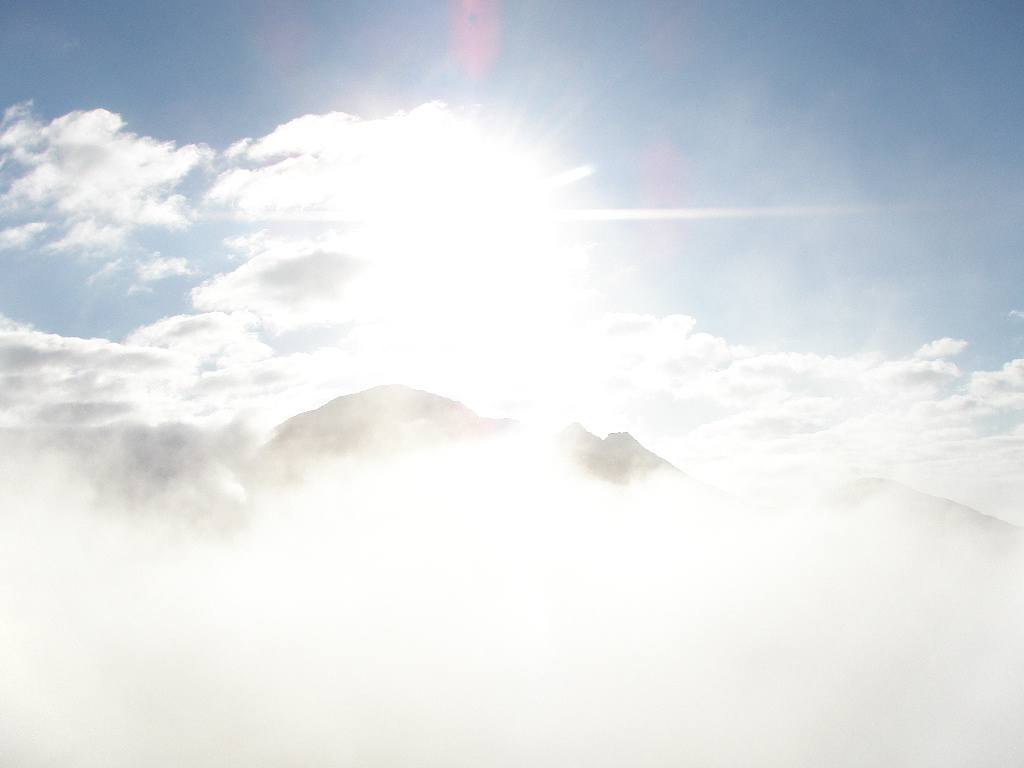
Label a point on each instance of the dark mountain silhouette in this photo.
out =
(381, 420)
(619, 458)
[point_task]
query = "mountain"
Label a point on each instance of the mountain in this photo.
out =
(870, 492)
(619, 458)
(385, 419)
(394, 418)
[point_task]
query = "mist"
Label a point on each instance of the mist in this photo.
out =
(166, 599)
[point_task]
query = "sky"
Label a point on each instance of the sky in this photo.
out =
(772, 240)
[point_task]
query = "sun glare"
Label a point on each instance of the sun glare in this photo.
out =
(461, 277)
(465, 266)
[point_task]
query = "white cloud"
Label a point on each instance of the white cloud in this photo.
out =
(90, 178)
(211, 339)
(208, 367)
(21, 236)
(46, 376)
(901, 375)
(645, 353)
(157, 375)
(943, 347)
(418, 163)
(1003, 388)
(159, 267)
(287, 283)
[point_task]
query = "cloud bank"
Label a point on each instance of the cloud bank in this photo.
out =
(481, 602)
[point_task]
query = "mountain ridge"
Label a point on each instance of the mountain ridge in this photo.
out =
(379, 419)
(618, 458)
(395, 418)
(866, 491)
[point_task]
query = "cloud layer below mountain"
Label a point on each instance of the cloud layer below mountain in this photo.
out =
(482, 603)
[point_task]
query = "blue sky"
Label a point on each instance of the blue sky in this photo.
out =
(905, 104)
(902, 117)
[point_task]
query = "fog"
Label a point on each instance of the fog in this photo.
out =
(166, 600)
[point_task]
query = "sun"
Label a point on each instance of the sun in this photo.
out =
(464, 276)
(466, 264)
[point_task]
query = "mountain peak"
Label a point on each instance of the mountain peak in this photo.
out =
(618, 458)
(379, 420)
(895, 495)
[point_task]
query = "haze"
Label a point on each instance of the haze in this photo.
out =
(183, 597)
